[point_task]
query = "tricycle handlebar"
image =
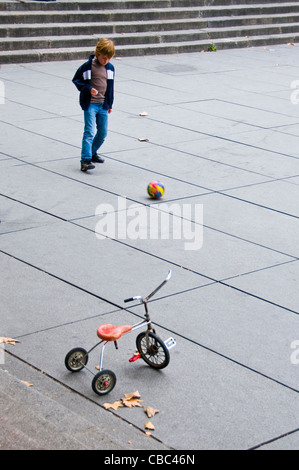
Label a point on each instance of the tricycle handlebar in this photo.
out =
(138, 297)
(153, 293)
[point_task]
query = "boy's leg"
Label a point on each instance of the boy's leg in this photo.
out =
(88, 134)
(102, 130)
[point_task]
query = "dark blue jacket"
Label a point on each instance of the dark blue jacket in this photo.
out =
(82, 80)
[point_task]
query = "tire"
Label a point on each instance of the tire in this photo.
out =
(76, 359)
(103, 382)
(155, 353)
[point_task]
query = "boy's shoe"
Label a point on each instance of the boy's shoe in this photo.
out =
(87, 166)
(97, 158)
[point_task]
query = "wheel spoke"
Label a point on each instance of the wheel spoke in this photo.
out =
(152, 350)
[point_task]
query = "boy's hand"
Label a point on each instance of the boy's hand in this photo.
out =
(94, 92)
(109, 111)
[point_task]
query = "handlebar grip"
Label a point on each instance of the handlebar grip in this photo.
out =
(137, 297)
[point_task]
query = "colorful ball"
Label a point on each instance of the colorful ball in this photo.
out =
(155, 189)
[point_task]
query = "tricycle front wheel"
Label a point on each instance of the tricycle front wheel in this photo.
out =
(152, 350)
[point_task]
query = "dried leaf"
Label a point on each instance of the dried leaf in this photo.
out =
(3, 339)
(143, 139)
(148, 433)
(149, 425)
(128, 396)
(114, 406)
(150, 411)
(27, 383)
(132, 402)
(144, 113)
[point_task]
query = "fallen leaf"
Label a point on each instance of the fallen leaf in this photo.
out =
(291, 44)
(128, 396)
(132, 402)
(150, 411)
(27, 383)
(148, 433)
(143, 139)
(114, 406)
(144, 113)
(3, 339)
(149, 425)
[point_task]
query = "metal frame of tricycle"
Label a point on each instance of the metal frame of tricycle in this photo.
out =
(138, 325)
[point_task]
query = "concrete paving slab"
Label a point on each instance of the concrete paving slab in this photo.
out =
(222, 132)
(201, 250)
(91, 277)
(252, 222)
(234, 112)
(51, 412)
(32, 146)
(279, 285)
(13, 116)
(271, 140)
(194, 122)
(242, 156)
(43, 302)
(227, 326)
(183, 162)
(292, 130)
(17, 217)
(280, 196)
(205, 412)
(51, 179)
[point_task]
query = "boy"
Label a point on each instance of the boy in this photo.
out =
(95, 81)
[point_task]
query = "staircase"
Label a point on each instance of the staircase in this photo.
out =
(33, 31)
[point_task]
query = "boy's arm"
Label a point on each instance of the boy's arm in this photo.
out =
(79, 81)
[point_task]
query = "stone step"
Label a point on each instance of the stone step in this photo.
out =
(253, 20)
(121, 4)
(32, 421)
(146, 14)
(72, 41)
(92, 16)
(76, 53)
(58, 29)
(52, 30)
(15, 30)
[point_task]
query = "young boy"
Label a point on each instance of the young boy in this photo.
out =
(95, 81)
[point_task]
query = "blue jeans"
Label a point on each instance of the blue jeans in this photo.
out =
(95, 130)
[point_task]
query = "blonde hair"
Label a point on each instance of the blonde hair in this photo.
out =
(105, 47)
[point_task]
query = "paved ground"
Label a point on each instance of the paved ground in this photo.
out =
(222, 133)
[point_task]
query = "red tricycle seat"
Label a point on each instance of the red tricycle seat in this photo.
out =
(108, 332)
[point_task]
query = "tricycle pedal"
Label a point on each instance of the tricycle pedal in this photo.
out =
(135, 357)
(170, 343)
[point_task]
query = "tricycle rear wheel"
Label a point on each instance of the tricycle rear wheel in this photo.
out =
(76, 359)
(103, 382)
